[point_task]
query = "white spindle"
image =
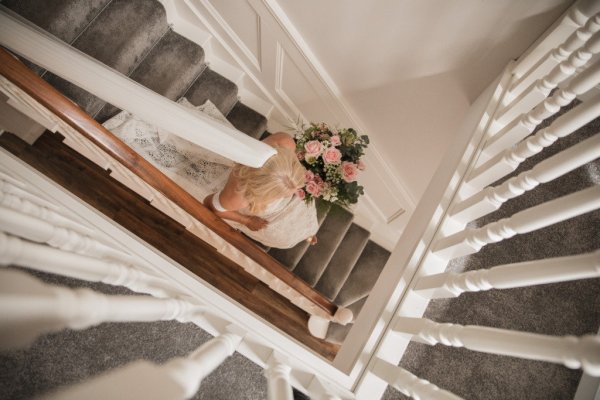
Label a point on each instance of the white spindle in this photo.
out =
(409, 384)
(540, 89)
(278, 380)
(573, 352)
(491, 198)
(507, 161)
(39, 230)
(20, 202)
(539, 272)
(577, 15)
(15, 251)
(471, 241)
(29, 308)
(558, 55)
(522, 126)
(177, 379)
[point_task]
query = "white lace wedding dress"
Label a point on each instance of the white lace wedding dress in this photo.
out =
(201, 172)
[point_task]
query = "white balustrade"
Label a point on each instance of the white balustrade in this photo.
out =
(409, 384)
(29, 308)
(507, 161)
(39, 230)
(577, 15)
(177, 379)
(557, 55)
(15, 251)
(277, 373)
(51, 53)
(540, 89)
(522, 126)
(539, 272)
(471, 241)
(573, 352)
(491, 198)
(19, 200)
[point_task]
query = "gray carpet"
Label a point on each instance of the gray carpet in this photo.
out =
(71, 356)
(568, 308)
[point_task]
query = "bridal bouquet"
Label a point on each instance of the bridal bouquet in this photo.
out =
(332, 161)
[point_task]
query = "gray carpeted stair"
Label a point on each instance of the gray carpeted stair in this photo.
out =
(133, 37)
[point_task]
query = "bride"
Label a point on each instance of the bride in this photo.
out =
(260, 202)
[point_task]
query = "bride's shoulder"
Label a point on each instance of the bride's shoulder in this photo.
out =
(281, 139)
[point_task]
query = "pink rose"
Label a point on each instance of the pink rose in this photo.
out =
(309, 176)
(300, 155)
(332, 156)
(361, 165)
(335, 140)
(313, 188)
(313, 148)
(349, 171)
(301, 194)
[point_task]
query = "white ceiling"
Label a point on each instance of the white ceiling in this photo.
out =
(410, 68)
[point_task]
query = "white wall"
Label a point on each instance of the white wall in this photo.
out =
(409, 69)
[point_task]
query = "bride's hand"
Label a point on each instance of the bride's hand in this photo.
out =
(256, 223)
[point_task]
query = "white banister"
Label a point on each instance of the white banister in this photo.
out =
(47, 51)
(491, 198)
(277, 373)
(41, 231)
(559, 54)
(472, 240)
(540, 89)
(507, 161)
(573, 352)
(177, 379)
(30, 308)
(409, 384)
(577, 15)
(523, 125)
(15, 251)
(539, 272)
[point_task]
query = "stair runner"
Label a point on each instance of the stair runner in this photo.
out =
(134, 38)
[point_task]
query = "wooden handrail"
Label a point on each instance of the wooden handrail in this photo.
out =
(70, 113)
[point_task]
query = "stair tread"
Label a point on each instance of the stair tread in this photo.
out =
(364, 274)
(214, 87)
(66, 19)
(247, 120)
(124, 33)
(291, 257)
(342, 262)
(337, 333)
(169, 69)
(332, 231)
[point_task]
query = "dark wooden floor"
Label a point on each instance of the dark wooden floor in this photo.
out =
(94, 186)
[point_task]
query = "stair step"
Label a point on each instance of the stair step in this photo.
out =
(247, 120)
(337, 333)
(65, 19)
(343, 260)
(363, 275)
(291, 257)
(119, 37)
(214, 87)
(124, 33)
(169, 69)
(330, 235)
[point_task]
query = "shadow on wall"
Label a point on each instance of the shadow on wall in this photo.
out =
(413, 123)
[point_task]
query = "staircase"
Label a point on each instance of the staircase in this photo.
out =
(344, 265)
(133, 37)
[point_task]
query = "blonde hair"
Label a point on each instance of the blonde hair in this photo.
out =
(279, 177)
